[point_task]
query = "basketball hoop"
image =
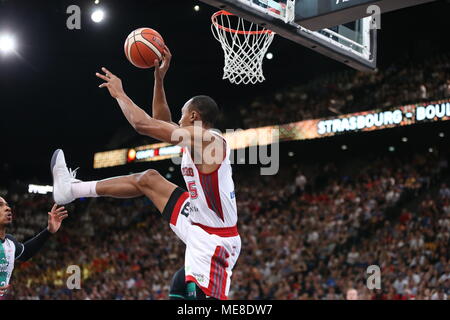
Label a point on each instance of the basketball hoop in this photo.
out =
(244, 44)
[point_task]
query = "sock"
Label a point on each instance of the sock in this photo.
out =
(84, 189)
(191, 291)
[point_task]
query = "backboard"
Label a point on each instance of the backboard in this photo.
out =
(345, 30)
(353, 43)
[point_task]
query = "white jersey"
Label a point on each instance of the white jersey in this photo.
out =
(8, 253)
(212, 196)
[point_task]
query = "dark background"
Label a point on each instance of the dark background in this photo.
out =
(50, 97)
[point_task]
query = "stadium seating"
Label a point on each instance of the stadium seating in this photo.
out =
(309, 238)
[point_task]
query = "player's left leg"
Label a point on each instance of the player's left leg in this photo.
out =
(149, 183)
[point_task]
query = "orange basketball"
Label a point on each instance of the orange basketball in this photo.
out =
(143, 46)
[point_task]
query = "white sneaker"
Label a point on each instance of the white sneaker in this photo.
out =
(62, 179)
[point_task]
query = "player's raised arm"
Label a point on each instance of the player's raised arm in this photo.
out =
(138, 118)
(160, 107)
(28, 249)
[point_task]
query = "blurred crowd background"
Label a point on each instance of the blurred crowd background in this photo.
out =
(311, 235)
(349, 91)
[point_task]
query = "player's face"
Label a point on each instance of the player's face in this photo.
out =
(184, 118)
(5, 212)
(188, 117)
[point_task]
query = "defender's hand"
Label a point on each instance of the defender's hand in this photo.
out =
(55, 218)
(161, 70)
(113, 83)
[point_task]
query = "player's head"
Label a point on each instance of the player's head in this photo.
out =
(199, 108)
(5, 213)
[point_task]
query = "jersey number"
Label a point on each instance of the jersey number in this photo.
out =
(192, 190)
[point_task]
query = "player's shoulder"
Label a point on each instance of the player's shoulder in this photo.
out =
(204, 132)
(13, 239)
(10, 237)
(217, 134)
(20, 248)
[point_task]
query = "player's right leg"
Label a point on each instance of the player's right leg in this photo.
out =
(149, 183)
(182, 290)
(178, 286)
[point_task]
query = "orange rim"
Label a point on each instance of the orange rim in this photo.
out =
(226, 13)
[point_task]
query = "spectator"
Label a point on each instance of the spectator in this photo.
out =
(300, 183)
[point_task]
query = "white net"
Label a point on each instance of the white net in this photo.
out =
(244, 44)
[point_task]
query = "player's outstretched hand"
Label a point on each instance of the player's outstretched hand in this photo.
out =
(113, 83)
(161, 70)
(55, 218)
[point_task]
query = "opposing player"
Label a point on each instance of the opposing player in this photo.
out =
(11, 249)
(205, 218)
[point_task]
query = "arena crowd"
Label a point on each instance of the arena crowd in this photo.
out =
(312, 235)
(352, 91)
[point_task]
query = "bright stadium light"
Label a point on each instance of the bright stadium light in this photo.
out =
(98, 15)
(441, 134)
(97, 1)
(34, 188)
(344, 147)
(197, 8)
(269, 55)
(7, 43)
(405, 139)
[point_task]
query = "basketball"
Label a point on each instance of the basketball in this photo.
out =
(143, 46)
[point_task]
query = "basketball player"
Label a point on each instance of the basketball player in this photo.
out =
(11, 249)
(205, 217)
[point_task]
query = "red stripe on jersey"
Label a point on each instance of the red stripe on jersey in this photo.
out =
(221, 232)
(218, 273)
(177, 208)
(215, 183)
(210, 186)
(214, 277)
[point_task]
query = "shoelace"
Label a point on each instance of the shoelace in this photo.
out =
(73, 174)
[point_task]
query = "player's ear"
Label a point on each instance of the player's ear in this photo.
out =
(194, 116)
